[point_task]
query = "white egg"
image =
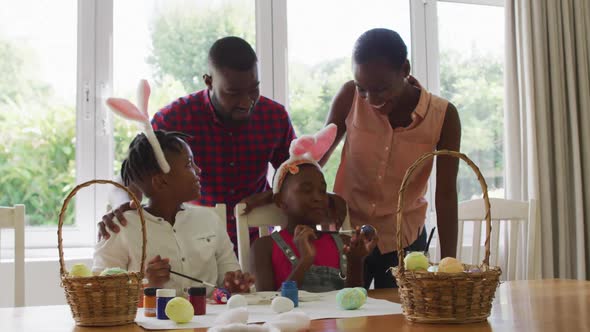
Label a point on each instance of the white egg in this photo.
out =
(282, 304)
(237, 301)
(233, 316)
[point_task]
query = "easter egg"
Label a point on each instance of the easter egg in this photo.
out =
(282, 304)
(112, 271)
(80, 270)
(369, 231)
(180, 310)
(416, 261)
(221, 295)
(450, 265)
(350, 298)
(237, 301)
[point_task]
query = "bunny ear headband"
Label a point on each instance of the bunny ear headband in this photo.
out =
(127, 110)
(307, 149)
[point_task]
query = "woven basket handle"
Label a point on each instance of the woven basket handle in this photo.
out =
(62, 265)
(400, 204)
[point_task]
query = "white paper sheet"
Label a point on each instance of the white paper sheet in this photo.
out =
(325, 307)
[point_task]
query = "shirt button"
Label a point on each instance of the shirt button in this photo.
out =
(232, 164)
(183, 259)
(373, 205)
(387, 148)
(173, 230)
(230, 133)
(380, 177)
(231, 191)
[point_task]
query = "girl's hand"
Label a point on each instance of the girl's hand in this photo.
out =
(359, 246)
(238, 282)
(158, 271)
(303, 236)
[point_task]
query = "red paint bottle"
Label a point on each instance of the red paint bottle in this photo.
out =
(197, 296)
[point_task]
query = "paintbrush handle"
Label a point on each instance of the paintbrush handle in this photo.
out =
(193, 279)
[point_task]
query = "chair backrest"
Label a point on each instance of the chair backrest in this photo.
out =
(262, 217)
(220, 209)
(518, 222)
(14, 218)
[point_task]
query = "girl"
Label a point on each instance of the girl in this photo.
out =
(318, 262)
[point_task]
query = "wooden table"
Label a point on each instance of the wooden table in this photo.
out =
(542, 305)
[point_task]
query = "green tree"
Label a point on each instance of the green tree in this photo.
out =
(37, 155)
(474, 83)
(181, 38)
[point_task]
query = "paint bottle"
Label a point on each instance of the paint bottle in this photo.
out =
(290, 291)
(149, 301)
(162, 298)
(197, 296)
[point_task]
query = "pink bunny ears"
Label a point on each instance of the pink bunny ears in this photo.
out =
(307, 149)
(127, 110)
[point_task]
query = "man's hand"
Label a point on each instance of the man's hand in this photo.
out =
(108, 220)
(359, 246)
(158, 271)
(238, 282)
(257, 200)
(303, 237)
(337, 210)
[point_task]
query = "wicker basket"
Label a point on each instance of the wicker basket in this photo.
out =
(101, 300)
(445, 298)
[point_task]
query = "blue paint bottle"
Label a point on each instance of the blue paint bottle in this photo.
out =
(162, 298)
(290, 291)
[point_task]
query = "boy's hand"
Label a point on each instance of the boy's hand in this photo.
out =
(303, 237)
(158, 271)
(359, 246)
(238, 282)
(108, 220)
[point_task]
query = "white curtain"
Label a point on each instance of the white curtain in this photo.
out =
(547, 126)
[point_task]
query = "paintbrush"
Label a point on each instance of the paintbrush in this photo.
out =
(193, 279)
(428, 242)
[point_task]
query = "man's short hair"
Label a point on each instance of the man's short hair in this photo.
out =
(233, 53)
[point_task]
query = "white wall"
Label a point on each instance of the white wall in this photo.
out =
(42, 282)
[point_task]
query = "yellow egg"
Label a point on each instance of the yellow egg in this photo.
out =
(180, 310)
(450, 265)
(80, 270)
(415, 261)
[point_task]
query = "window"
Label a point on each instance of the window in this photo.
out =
(320, 43)
(55, 77)
(38, 113)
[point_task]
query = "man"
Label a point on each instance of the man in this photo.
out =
(235, 132)
(390, 122)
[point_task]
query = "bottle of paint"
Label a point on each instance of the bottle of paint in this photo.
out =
(197, 296)
(162, 297)
(290, 291)
(149, 301)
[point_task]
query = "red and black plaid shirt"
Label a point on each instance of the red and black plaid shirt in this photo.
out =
(234, 160)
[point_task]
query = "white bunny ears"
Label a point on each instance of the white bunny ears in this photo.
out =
(127, 110)
(307, 149)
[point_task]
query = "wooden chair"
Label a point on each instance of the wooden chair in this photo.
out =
(14, 218)
(519, 222)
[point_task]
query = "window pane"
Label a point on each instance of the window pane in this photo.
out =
(472, 77)
(320, 47)
(38, 48)
(166, 42)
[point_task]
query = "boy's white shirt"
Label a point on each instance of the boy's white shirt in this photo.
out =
(197, 245)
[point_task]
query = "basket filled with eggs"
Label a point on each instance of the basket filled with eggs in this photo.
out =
(110, 298)
(450, 292)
